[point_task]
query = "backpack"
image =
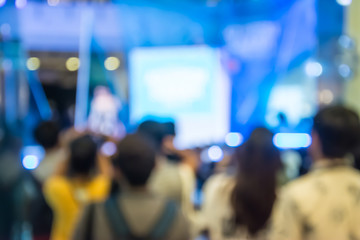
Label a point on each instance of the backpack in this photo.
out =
(122, 230)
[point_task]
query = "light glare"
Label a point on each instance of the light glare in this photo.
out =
(33, 63)
(215, 153)
(313, 69)
(30, 162)
(112, 63)
(344, 2)
(233, 139)
(73, 64)
(20, 3)
(292, 140)
(108, 149)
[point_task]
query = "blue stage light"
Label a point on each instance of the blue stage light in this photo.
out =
(32, 156)
(215, 153)
(234, 139)
(30, 162)
(292, 140)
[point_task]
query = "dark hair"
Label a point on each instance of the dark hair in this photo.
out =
(338, 129)
(253, 197)
(47, 134)
(153, 131)
(169, 128)
(83, 153)
(135, 158)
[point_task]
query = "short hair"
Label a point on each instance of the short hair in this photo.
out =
(47, 134)
(83, 153)
(338, 128)
(153, 131)
(169, 128)
(135, 158)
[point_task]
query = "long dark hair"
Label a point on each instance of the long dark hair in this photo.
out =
(253, 197)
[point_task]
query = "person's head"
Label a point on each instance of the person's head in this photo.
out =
(83, 155)
(135, 159)
(169, 136)
(258, 162)
(335, 132)
(154, 131)
(47, 134)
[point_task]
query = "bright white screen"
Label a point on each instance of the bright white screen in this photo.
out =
(183, 83)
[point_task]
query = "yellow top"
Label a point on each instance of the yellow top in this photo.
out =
(67, 197)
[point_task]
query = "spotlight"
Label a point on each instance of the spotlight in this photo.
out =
(215, 153)
(33, 63)
(292, 140)
(313, 69)
(326, 96)
(73, 64)
(30, 162)
(2, 3)
(233, 139)
(20, 3)
(31, 156)
(112, 63)
(344, 2)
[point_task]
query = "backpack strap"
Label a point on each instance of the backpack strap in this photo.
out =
(166, 220)
(122, 230)
(116, 219)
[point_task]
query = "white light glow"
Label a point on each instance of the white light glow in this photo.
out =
(215, 153)
(292, 140)
(33, 63)
(30, 162)
(20, 3)
(344, 2)
(234, 139)
(313, 69)
(2, 2)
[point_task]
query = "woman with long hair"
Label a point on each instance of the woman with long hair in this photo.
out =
(238, 204)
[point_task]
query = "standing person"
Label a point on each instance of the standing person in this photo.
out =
(325, 203)
(135, 212)
(238, 205)
(175, 180)
(47, 135)
(68, 194)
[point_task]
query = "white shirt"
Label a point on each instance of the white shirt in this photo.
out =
(217, 213)
(322, 205)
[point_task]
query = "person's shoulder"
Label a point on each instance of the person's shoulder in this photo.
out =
(101, 182)
(298, 186)
(57, 181)
(56, 185)
(220, 180)
(101, 179)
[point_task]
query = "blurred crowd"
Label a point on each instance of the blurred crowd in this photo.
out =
(141, 187)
